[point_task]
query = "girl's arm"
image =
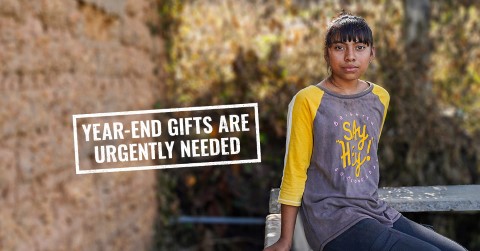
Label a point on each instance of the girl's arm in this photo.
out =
(289, 215)
(301, 113)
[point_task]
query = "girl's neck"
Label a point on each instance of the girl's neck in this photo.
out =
(344, 87)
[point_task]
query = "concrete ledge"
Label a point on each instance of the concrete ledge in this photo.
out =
(432, 198)
(273, 205)
(404, 199)
(272, 229)
(418, 198)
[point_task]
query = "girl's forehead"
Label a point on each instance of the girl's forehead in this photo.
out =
(349, 42)
(339, 37)
(347, 37)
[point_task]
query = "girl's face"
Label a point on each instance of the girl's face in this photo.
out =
(349, 60)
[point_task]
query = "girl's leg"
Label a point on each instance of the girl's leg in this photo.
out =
(416, 230)
(369, 234)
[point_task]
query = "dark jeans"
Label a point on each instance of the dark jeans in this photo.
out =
(406, 235)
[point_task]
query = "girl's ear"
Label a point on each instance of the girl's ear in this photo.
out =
(372, 53)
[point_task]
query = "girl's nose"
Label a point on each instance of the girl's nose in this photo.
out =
(349, 55)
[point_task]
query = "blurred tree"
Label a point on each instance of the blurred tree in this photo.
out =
(420, 145)
(418, 46)
(224, 52)
(431, 149)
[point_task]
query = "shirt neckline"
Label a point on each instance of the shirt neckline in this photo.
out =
(347, 96)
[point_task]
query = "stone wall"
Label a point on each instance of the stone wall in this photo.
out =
(59, 58)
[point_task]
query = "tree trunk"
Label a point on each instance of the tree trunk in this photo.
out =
(417, 45)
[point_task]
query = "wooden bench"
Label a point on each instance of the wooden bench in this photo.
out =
(404, 199)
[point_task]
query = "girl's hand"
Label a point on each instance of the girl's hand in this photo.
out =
(280, 245)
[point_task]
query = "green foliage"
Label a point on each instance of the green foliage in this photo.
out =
(456, 73)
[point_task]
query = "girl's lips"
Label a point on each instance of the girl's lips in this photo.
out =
(350, 68)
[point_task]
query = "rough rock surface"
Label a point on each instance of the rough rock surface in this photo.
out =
(59, 58)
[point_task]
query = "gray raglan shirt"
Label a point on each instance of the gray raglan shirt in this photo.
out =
(331, 164)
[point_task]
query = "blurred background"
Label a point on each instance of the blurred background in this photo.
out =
(65, 57)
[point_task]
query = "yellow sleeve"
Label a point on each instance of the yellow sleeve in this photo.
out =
(384, 99)
(301, 113)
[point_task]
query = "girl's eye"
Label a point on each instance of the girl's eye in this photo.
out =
(338, 47)
(361, 47)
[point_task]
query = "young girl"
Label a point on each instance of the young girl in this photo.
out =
(331, 168)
